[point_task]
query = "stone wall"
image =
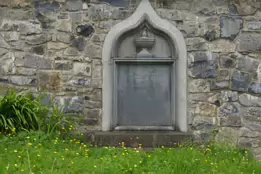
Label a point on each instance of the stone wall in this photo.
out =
(55, 46)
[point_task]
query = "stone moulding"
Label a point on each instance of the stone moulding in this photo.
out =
(145, 12)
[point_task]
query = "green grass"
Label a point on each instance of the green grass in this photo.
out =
(38, 153)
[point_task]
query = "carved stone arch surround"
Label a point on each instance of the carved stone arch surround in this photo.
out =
(145, 12)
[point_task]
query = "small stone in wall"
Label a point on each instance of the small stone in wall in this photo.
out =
(93, 51)
(230, 26)
(7, 65)
(252, 118)
(228, 135)
(255, 88)
(11, 35)
(244, 7)
(232, 121)
(47, 6)
(230, 109)
(196, 44)
(240, 81)
(35, 61)
(22, 80)
(228, 96)
(84, 30)
(40, 50)
(222, 45)
(78, 43)
(204, 65)
(206, 109)
(120, 14)
(26, 71)
(74, 5)
(63, 37)
(71, 52)
(64, 25)
(3, 51)
(100, 12)
(216, 85)
(223, 74)
(56, 45)
(254, 25)
(248, 133)
(81, 82)
(247, 64)
(63, 65)
(204, 123)
(71, 105)
(93, 104)
(199, 85)
(96, 83)
(210, 35)
(49, 80)
(249, 42)
(249, 100)
(227, 62)
(3, 43)
(37, 39)
(82, 69)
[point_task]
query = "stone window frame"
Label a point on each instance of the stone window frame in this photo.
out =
(180, 72)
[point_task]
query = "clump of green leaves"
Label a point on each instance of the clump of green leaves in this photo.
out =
(22, 111)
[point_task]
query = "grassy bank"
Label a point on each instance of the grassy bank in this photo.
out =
(38, 153)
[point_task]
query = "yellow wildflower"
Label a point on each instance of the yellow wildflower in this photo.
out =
(95, 166)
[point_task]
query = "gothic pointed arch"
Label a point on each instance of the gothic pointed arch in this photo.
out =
(143, 30)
